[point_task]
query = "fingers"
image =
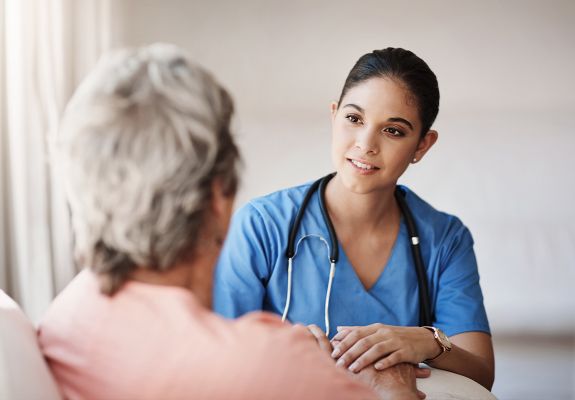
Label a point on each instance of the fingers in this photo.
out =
(321, 338)
(302, 329)
(350, 338)
(343, 331)
(374, 353)
(422, 372)
(341, 334)
(393, 359)
(364, 345)
(386, 346)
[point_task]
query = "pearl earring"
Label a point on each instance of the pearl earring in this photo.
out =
(414, 160)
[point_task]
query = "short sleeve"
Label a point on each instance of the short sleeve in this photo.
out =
(243, 268)
(459, 304)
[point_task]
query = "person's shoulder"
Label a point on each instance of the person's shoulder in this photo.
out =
(278, 204)
(290, 195)
(82, 289)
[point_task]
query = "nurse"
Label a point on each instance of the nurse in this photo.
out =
(380, 125)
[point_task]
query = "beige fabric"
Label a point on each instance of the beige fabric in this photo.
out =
(444, 385)
(24, 374)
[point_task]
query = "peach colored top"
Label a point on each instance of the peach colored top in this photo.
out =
(158, 342)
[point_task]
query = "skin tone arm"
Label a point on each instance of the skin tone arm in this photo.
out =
(471, 354)
(396, 382)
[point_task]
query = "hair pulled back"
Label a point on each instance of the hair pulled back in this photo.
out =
(405, 67)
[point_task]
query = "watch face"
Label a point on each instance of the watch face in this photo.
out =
(444, 339)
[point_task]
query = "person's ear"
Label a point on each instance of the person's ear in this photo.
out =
(221, 204)
(425, 143)
(333, 108)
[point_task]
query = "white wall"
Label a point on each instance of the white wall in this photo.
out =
(503, 162)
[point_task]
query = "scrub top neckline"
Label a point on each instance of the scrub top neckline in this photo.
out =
(402, 233)
(388, 265)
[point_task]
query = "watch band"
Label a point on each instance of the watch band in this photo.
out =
(438, 339)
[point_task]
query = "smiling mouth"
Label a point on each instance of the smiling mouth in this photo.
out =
(363, 166)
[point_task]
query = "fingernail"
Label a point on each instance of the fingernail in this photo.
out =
(336, 352)
(340, 362)
(339, 328)
(378, 366)
(353, 367)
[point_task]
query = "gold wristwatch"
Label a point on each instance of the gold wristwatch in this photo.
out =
(441, 339)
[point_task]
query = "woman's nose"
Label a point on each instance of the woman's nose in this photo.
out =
(366, 140)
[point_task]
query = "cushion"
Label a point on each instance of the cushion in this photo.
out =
(24, 374)
(445, 385)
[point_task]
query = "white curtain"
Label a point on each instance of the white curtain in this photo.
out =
(46, 47)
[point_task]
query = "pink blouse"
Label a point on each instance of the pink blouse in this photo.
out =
(158, 342)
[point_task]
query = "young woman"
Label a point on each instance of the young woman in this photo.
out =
(359, 280)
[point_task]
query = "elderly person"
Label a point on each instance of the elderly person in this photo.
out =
(150, 172)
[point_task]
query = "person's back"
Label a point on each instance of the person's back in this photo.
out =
(151, 342)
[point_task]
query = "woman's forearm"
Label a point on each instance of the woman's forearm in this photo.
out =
(463, 362)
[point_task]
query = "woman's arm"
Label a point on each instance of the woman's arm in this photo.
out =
(472, 356)
(242, 266)
(386, 346)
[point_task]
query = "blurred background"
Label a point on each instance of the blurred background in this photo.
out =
(502, 162)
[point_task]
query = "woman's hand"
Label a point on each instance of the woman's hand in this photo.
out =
(356, 347)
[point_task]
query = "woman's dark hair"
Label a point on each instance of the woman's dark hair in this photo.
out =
(406, 67)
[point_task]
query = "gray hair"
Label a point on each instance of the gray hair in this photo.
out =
(140, 145)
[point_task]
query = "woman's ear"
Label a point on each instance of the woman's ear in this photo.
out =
(333, 108)
(425, 143)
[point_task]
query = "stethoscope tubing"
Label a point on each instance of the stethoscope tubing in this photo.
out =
(425, 316)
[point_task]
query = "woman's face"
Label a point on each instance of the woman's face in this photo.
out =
(376, 134)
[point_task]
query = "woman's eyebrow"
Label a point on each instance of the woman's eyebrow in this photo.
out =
(358, 108)
(402, 120)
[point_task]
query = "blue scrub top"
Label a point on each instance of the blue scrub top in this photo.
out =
(252, 269)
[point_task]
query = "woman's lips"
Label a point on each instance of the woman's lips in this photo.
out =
(363, 167)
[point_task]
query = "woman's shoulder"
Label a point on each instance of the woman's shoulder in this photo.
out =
(286, 196)
(281, 204)
(430, 219)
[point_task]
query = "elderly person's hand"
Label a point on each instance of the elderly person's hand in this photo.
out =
(394, 383)
(322, 339)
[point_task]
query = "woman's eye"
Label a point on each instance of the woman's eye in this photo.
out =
(354, 119)
(394, 131)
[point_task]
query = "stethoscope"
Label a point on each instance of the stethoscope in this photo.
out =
(333, 249)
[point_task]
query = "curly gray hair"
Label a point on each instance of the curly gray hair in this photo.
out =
(141, 143)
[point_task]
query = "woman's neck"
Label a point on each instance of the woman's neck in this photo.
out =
(196, 276)
(175, 276)
(370, 212)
